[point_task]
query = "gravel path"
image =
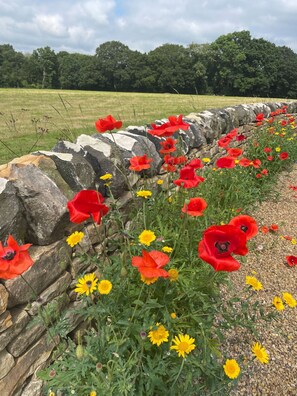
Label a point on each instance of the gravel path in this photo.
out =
(279, 337)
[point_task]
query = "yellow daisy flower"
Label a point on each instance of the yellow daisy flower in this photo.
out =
(75, 238)
(231, 368)
(206, 160)
(293, 241)
(158, 336)
(148, 281)
(277, 149)
(104, 286)
(289, 300)
(146, 237)
(183, 344)
(87, 284)
(107, 176)
(173, 315)
(260, 353)
(173, 275)
(160, 182)
(253, 282)
(93, 393)
(144, 193)
(167, 249)
(278, 303)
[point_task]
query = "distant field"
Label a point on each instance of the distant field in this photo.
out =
(32, 120)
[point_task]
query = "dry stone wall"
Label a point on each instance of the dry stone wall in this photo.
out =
(34, 190)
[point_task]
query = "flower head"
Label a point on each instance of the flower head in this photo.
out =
(107, 176)
(87, 203)
(253, 282)
(260, 353)
(291, 260)
(87, 284)
(159, 335)
(225, 162)
(107, 124)
(173, 274)
(104, 286)
(234, 152)
(188, 178)
(144, 193)
(246, 224)
(139, 163)
(283, 156)
(278, 303)
(168, 146)
(75, 238)
(167, 249)
(14, 259)
(289, 300)
(217, 245)
(231, 368)
(148, 281)
(150, 264)
(195, 207)
(147, 237)
(183, 344)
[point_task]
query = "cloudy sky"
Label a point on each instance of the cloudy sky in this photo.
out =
(81, 26)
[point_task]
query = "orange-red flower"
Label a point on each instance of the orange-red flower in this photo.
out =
(167, 129)
(195, 207)
(255, 163)
(264, 230)
(232, 134)
(260, 117)
(267, 150)
(294, 188)
(240, 137)
(264, 172)
(283, 156)
(273, 227)
(14, 259)
(291, 261)
(168, 146)
(269, 158)
(245, 162)
(139, 163)
(150, 264)
(234, 152)
(218, 243)
(188, 178)
(224, 141)
(107, 124)
(87, 203)
(225, 162)
(245, 223)
(195, 163)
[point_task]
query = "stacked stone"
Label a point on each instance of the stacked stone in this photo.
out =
(34, 191)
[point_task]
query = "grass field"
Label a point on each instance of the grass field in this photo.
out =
(36, 119)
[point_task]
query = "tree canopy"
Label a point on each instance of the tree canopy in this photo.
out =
(234, 64)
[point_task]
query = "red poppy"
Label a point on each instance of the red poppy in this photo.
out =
(269, 158)
(267, 150)
(287, 237)
(255, 163)
(139, 163)
(151, 263)
(260, 117)
(273, 227)
(168, 146)
(195, 163)
(258, 175)
(217, 245)
(264, 230)
(240, 137)
(171, 162)
(291, 260)
(283, 123)
(283, 156)
(294, 188)
(264, 172)
(160, 130)
(232, 134)
(245, 223)
(87, 203)
(245, 162)
(188, 178)
(14, 259)
(225, 162)
(234, 152)
(195, 207)
(224, 141)
(168, 129)
(107, 124)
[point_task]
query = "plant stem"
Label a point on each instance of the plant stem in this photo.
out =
(178, 374)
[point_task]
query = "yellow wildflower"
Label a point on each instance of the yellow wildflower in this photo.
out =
(146, 237)
(107, 176)
(183, 344)
(289, 300)
(158, 336)
(144, 193)
(173, 275)
(75, 238)
(260, 353)
(167, 249)
(104, 286)
(253, 282)
(231, 368)
(160, 182)
(278, 303)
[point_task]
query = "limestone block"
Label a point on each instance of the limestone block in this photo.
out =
(5, 321)
(6, 364)
(3, 298)
(44, 203)
(25, 366)
(75, 169)
(33, 388)
(21, 343)
(49, 263)
(12, 220)
(20, 318)
(54, 290)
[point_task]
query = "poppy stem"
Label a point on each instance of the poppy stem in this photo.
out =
(178, 374)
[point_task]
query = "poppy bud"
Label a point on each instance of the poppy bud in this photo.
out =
(79, 352)
(124, 272)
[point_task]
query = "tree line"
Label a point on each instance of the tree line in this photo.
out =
(234, 64)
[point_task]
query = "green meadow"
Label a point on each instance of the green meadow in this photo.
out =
(33, 120)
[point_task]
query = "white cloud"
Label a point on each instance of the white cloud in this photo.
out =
(51, 24)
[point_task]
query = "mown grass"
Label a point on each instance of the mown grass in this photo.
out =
(35, 119)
